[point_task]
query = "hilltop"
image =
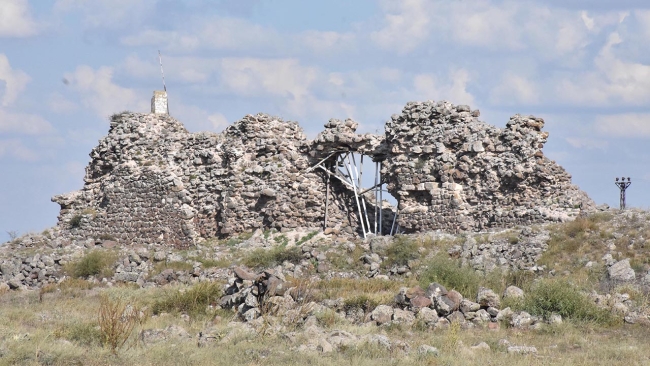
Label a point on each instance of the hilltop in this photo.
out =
(258, 245)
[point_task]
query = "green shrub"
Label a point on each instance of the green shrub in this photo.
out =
(94, 263)
(261, 258)
(83, 333)
(362, 302)
(555, 296)
(451, 274)
(75, 221)
(193, 300)
(400, 251)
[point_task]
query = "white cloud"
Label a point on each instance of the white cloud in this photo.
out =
(108, 13)
(60, 104)
(22, 123)
(589, 22)
(515, 89)
(16, 20)
(218, 121)
(587, 143)
(406, 25)
(214, 33)
(627, 125)
(15, 81)
(274, 77)
(428, 86)
(613, 81)
(170, 39)
(15, 148)
(226, 33)
(198, 119)
(102, 95)
(325, 41)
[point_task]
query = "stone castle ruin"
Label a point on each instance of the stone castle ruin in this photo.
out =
(151, 181)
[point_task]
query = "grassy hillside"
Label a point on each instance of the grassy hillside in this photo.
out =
(334, 285)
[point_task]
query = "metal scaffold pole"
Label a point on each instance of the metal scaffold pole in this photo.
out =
(381, 202)
(327, 198)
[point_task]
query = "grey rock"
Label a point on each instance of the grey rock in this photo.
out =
(425, 350)
(487, 298)
(621, 271)
(382, 314)
(522, 350)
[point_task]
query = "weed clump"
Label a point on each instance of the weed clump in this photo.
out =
(362, 302)
(561, 297)
(93, 264)
(70, 287)
(401, 251)
(306, 238)
(452, 275)
(116, 323)
(75, 221)
(260, 258)
(193, 300)
(83, 333)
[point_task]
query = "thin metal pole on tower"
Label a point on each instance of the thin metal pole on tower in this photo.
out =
(162, 72)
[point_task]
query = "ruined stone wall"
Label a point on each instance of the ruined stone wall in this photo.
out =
(150, 180)
(453, 172)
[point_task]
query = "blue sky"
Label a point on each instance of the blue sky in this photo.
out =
(67, 65)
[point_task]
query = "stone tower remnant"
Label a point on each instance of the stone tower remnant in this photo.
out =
(150, 180)
(159, 102)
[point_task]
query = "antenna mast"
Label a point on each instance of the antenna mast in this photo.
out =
(161, 70)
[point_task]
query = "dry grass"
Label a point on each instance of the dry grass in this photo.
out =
(65, 331)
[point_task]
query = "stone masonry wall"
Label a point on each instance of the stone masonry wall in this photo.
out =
(150, 180)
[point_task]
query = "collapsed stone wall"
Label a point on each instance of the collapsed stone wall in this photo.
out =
(150, 180)
(451, 171)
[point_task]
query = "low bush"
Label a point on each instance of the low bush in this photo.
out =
(362, 302)
(70, 287)
(84, 333)
(400, 251)
(95, 263)
(556, 296)
(193, 300)
(75, 221)
(261, 258)
(173, 265)
(451, 274)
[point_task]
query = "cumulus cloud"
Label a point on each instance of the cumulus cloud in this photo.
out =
(217, 33)
(100, 93)
(587, 143)
(406, 25)
(14, 148)
(23, 123)
(15, 82)
(627, 125)
(428, 86)
(611, 81)
(16, 19)
(515, 89)
(108, 13)
(276, 77)
(60, 104)
(236, 34)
